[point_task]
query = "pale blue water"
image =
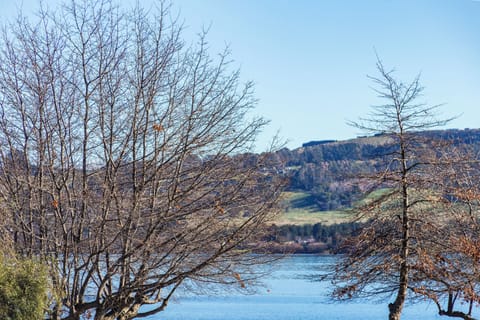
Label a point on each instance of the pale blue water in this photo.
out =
(289, 295)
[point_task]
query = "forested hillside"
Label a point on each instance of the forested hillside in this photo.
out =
(330, 171)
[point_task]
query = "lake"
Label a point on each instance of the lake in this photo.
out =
(289, 295)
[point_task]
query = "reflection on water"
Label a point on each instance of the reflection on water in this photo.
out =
(290, 295)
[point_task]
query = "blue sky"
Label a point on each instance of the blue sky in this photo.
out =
(310, 58)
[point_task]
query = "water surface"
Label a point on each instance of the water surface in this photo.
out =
(290, 294)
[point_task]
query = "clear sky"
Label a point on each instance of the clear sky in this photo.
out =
(310, 58)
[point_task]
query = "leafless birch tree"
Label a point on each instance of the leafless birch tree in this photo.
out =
(124, 159)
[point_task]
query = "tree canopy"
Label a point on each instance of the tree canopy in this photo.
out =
(125, 158)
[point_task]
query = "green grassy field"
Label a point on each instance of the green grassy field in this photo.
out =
(299, 211)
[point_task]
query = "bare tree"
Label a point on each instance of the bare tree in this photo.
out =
(448, 272)
(124, 159)
(380, 259)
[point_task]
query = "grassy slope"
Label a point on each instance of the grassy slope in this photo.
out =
(300, 211)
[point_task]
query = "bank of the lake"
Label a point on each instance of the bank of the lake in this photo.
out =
(289, 295)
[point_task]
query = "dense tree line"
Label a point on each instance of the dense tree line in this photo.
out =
(328, 234)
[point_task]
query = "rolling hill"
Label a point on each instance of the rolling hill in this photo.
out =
(323, 175)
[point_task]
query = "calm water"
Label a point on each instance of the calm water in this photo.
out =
(289, 295)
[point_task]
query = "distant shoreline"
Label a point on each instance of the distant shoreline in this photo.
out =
(292, 247)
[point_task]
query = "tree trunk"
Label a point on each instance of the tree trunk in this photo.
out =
(395, 308)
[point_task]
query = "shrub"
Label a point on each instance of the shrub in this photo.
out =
(23, 289)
